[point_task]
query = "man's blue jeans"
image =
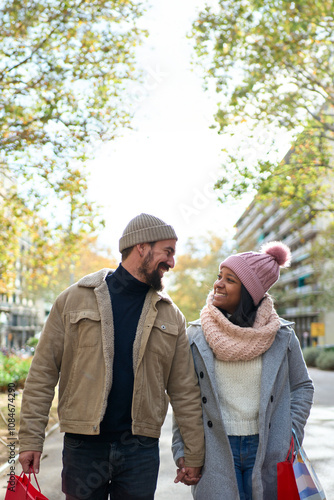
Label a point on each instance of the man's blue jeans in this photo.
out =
(126, 469)
(244, 450)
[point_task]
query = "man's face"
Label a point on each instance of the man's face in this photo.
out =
(156, 261)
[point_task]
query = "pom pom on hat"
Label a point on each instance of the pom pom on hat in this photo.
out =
(259, 271)
(279, 251)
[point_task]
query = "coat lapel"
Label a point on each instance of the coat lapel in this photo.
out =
(107, 334)
(271, 362)
(206, 354)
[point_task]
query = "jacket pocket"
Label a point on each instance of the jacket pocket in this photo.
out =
(163, 338)
(85, 328)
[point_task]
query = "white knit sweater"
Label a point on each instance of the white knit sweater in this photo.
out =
(238, 385)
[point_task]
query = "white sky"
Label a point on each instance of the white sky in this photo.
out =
(167, 165)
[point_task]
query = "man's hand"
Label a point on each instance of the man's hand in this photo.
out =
(187, 475)
(30, 459)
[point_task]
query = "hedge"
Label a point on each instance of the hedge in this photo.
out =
(325, 360)
(319, 357)
(13, 369)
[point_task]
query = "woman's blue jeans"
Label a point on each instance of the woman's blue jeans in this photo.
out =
(244, 450)
(126, 469)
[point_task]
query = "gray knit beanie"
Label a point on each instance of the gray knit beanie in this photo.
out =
(144, 229)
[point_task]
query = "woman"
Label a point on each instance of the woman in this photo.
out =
(255, 386)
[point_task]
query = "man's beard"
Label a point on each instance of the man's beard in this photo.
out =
(152, 278)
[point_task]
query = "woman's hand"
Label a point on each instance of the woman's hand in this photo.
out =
(187, 475)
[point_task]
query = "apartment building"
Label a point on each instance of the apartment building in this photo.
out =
(298, 292)
(20, 317)
(18, 321)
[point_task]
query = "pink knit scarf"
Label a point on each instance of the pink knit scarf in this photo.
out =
(230, 342)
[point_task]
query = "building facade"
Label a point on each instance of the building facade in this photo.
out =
(20, 316)
(298, 293)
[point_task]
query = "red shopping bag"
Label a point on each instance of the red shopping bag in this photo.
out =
(20, 488)
(286, 482)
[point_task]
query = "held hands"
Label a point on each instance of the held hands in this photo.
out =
(187, 475)
(30, 459)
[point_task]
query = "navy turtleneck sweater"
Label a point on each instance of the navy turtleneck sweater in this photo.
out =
(127, 296)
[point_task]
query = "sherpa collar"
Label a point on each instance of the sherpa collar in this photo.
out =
(94, 280)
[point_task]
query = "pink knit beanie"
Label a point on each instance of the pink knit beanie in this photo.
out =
(259, 271)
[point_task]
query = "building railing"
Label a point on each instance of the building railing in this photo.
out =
(244, 231)
(301, 252)
(299, 272)
(274, 219)
(303, 291)
(298, 311)
(306, 231)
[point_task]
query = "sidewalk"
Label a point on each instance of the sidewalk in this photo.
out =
(319, 446)
(318, 443)
(319, 431)
(50, 481)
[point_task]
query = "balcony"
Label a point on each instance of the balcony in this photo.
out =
(286, 226)
(246, 229)
(294, 274)
(302, 291)
(299, 311)
(269, 209)
(306, 232)
(4, 306)
(274, 219)
(301, 252)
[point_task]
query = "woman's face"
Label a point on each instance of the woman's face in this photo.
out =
(227, 290)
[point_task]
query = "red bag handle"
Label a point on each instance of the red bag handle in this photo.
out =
(291, 451)
(31, 468)
(29, 481)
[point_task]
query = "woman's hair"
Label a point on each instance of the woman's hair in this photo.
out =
(245, 313)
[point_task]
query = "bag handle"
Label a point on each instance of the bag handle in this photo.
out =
(291, 451)
(299, 448)
(29, 480)
(294, 433)
(31, 468)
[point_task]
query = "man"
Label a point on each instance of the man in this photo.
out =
(118, 347)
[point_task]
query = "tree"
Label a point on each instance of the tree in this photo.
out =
(33, 248)
(64, 75)
(323, 263)
(90, 258)
(195, 272)
(273, 65)
(64, 69)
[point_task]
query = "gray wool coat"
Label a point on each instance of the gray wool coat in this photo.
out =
(285, 402)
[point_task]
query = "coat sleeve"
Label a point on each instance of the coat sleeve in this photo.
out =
(177, 442)
(301, 388)
(185, 397)
(40, 385)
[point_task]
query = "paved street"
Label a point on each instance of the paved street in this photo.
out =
(319, 431)
(318, 443)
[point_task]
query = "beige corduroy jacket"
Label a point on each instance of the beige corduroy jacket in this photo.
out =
(76, 349)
